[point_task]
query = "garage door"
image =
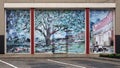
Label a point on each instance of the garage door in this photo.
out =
(59, 31)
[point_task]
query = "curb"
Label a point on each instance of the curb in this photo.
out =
(107, 59)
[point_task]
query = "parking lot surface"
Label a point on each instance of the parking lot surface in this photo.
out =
(57, 63)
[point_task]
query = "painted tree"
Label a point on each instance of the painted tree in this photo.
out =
(51, 21)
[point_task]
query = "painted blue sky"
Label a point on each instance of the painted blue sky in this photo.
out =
(97, 15)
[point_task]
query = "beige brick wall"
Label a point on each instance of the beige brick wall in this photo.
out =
(61, 1)
(2, 21)
(44, 1)
(102, 1)
(2, 18)
(117, 25)
(18, 1)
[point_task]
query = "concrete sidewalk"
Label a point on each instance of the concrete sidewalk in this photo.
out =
(58, 56)
(46, 55)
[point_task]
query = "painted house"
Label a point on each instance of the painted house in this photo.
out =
(103, 32)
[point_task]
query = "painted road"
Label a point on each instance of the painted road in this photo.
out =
(57, 63)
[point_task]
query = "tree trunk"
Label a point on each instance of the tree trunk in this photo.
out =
(48, 41)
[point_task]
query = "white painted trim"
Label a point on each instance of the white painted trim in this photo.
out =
(5, 46)
(85, 32)
(59, 5)
(30, 30)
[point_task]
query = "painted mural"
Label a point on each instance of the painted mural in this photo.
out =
(102, 34)
(59, 31)
(17, 31)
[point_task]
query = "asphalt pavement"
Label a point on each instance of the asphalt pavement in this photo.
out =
(58, 63)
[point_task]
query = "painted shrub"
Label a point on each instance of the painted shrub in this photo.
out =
(59, 31)
(102, 34)
(17, 31)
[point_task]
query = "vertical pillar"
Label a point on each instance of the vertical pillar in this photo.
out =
(2, 28)
(117, 27)
(32, 30)
(87, 30)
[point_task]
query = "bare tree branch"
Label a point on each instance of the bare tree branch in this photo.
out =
(56, 30)
(40, 31)
(46, 25)
(43, 24)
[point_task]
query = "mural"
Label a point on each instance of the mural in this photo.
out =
(17, 31)
(59, 31)
(101, 24)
